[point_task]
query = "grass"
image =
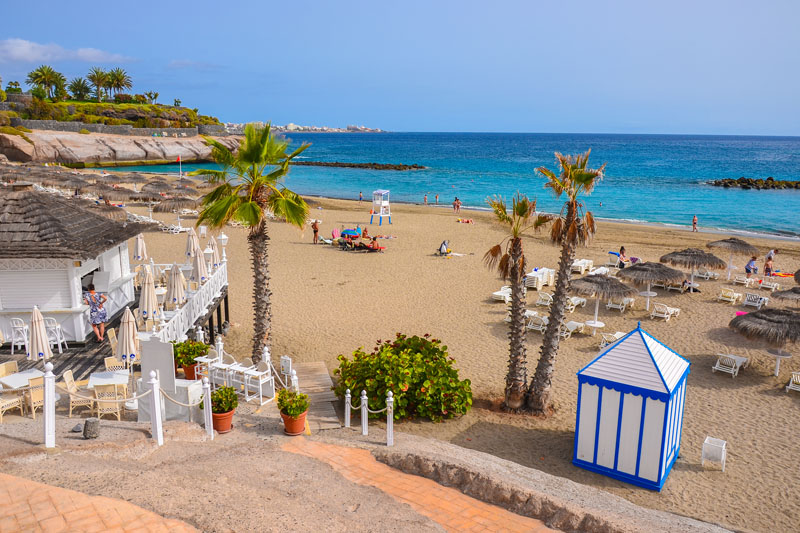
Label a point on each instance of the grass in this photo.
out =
(14, 131)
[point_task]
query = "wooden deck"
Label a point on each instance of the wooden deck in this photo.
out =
(315, 381)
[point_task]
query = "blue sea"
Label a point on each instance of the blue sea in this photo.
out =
(649, 178)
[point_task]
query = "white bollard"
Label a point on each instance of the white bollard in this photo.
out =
(265, 355)
(199, 334)
(389, 419)
(155, 409)
(295, 383)
(347, 407)
(219, 347)
(207, 408)
(364, 413)
(49, 406)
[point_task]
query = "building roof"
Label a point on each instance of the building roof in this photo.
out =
(41, 225)
(639, 360)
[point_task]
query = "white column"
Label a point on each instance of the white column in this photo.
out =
(49, 406)
(347, 406)
(155, 409)
(295, 382)
(389, 419)
(207, 409)
(364, 413)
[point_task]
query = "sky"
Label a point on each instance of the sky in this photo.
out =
(677, 67)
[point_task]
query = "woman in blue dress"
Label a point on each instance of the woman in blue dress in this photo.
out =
(97, 313)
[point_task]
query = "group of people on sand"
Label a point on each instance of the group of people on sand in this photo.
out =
(769, 268)
(425, 199)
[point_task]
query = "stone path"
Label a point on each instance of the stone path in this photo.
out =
(446, 506)
(29, 506)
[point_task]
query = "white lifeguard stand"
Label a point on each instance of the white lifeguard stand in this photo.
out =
(380, 206)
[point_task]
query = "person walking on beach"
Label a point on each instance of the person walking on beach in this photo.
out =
(750, 267)
(360, 197)
(694, 224)
(425, 199)
(315, 227)
(437, 199)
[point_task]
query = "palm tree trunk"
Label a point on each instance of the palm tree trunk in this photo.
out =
(517, 377)
(539, 398)
(258, 241)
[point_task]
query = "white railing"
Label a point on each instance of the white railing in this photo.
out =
(365, 412)
(196, 306)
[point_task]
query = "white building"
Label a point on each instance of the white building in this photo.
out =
(51, 248)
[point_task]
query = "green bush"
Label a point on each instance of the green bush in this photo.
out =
(13, 87)
(2, 95)
(6, 116)
(187, 351)
(223, 400)
(416, 369)
(292, 403)
(123, 98)
(84, 131)
(23, 128)
(38, 92)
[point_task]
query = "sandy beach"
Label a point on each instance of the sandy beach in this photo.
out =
(327, 302)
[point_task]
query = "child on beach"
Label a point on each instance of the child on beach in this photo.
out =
(768, 267)
(622, 257)
(751, 267)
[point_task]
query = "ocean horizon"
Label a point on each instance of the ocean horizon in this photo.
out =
(649, 178)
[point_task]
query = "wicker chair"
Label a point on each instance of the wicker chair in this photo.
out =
(112, 340)
(11, 400)
(35, 395)
(113, 364)
(75, 398)
(8, 368)
(108, 392)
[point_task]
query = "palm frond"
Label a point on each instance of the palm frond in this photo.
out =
(492, 257)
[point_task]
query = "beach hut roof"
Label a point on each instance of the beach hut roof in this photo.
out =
(734, 246)
(639, 360)
(644, 273)
(40, 225)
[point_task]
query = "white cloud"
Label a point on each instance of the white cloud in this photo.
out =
(22, 51)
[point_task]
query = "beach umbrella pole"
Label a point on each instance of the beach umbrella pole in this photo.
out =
(596, 312)
(647, 307)
(730, 265)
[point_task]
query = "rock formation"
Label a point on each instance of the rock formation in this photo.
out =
(750, 183)
(371, 166)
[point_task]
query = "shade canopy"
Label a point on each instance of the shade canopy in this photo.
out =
(132, 177)
(647, 273)
(176, 288)
(199, 269)
(775, 326)
(148, 303)
(734, 246)
(186, 191)
(157, 186)
(176, 202)
(791, 295)
(693, 258)
(797, 276)
(212, 243)
(602, 286)
(103, 178)
(140, 249)
(38, 344)
(127, 347)
(192, 244)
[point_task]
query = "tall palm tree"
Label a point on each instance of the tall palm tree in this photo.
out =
(508, 259)
(98, 78)
(573, 226)
(79, 89)
(248, 187)
(45, 77)
(119, 80)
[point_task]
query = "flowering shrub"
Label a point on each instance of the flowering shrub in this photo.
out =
(418, 372)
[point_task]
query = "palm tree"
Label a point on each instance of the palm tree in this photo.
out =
(248, 187)
(45, 77)
(79, 89)
(509, 260)
(573, 226)
(98, 78)
(119, 80)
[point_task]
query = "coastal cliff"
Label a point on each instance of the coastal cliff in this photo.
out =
(42, 146)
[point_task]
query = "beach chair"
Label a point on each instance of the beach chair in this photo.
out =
(675, 287)
(610, 338)
(8, 368)
(35, 395)
(219, 369)
(54, 333)
(107, 397)
(19, 334)
(727, 294)
(545, 299)
(204, 362)
(660, 284)
(741, 279)
(113, 364)
(706, 274)
(537, 323)
(573, 302)
(613, 261)
(771, 286)
(505, 291)
(528, 313)
(794, 384)
(254, 379)
(620, 303)
(754, 300)
(664, 311)
(730, 364)
(535, 281)
(11, 400)
(581, 265)
(75, 399)
(566, 330)
(112, 340)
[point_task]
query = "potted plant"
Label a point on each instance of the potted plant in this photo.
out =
(223, 404)
(293, 406)
(185, 354)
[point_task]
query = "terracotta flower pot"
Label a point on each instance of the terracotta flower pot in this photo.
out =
(223, 422)
(189, 372)
(294, 426)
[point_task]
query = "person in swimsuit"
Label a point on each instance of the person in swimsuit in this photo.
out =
(97, 313)
(315, 227)
(694, 223)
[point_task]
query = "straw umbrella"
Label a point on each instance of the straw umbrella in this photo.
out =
(148, 303)
(187, 191)
(734, 246)
(647, 273)
(176, 202)
(157, 186)
(775, 326)
(600, 286)
(140, 249)
(104, 178)
(176, 288)
(119, 194)
(38, 344)
(790, 295)
(199, 269)
(797, 276)
(693, 258)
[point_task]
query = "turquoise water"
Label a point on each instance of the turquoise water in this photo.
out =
(649, 178)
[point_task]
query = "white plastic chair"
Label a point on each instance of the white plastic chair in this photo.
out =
(726, 294)
(610, 338)
(537, 323)
(741, 279)
(19, 334)
(755, 300)
(664, 311)
(54, 333)
(620, 303)
(500, 295)
(566, 330)
(573, 302)
(706, 274)
(256, 378)
(730, 363)
(794, 382)
(545, 299)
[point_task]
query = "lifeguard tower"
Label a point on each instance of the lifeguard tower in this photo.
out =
(380, 206)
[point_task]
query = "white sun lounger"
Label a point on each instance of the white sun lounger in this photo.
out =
(610, 338)
(771, 286)
(664, 311)
(566, 330)
(726, 294)
(706, 274)
(581, 265)
(505, 291)
(573, 302)
(730, 363)
(538, 323)
(620, 303)
(741, 279)
(755, 300)
(794, 383)
(545, 299)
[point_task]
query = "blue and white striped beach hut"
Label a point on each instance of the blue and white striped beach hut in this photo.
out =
(630, 410)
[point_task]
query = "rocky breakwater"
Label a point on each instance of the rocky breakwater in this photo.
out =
(758, 184)
(76, 149)
(370, 166)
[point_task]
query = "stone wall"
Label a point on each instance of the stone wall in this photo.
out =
(126, 129)
(19, 98)
(217, 130)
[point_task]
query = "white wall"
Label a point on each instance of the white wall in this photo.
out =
(22, 289)
(651, 439)
(587, 422)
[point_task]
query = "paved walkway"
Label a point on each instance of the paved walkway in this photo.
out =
(30, 506)
(452, 509)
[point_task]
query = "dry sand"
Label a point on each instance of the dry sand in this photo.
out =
(327, 302)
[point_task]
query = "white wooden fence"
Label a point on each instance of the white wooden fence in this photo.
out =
(365, 412)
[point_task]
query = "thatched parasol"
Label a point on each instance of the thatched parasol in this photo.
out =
(104, 178)
(147, 196)
(177, 202)
(119, 193)
(133, 177)
(790, 295)
(157, 186)
(647, 273)
(693, 258)
(775, 326)
(797, 276)
(109, 211)
(734, 246)
(600, 286)
(187, 191)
